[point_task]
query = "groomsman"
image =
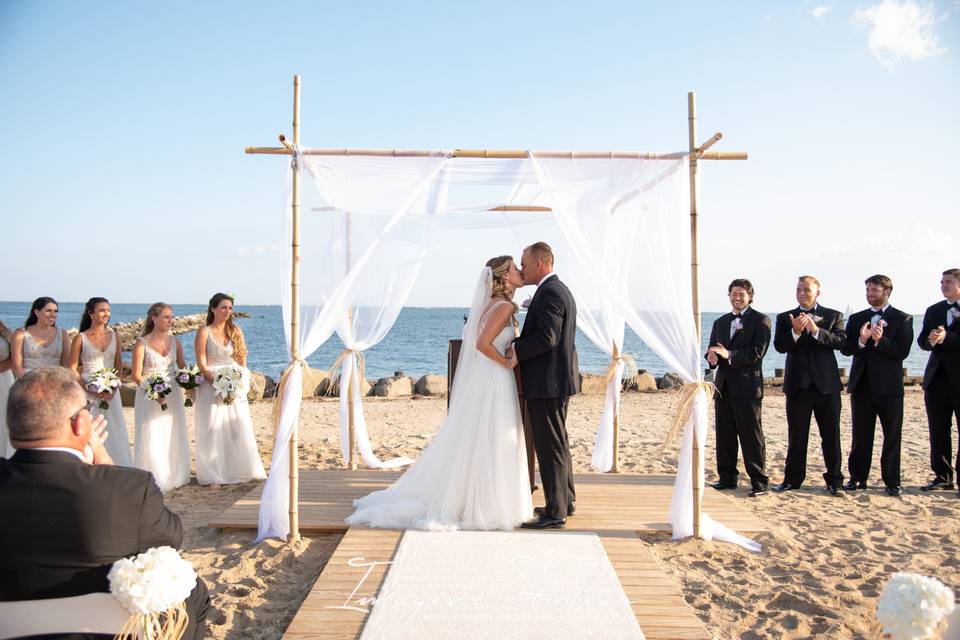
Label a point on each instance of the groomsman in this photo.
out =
(940, 336)
(879, 339)
(809, 335)
(739, 340)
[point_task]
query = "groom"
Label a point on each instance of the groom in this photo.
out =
(550, 375)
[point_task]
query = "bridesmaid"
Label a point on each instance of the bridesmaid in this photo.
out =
(94, 348)
(6, 381)
(226, 446)
(40, 343)
(160, 440)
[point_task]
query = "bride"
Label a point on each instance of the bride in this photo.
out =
(473, 475)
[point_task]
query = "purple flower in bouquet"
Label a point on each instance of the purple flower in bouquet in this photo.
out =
(189, 378)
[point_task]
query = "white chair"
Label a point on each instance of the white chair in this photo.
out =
(90, 613)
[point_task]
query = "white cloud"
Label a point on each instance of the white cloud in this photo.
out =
(821, 10)
(900, 30)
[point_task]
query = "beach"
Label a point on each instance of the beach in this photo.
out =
(821, 571)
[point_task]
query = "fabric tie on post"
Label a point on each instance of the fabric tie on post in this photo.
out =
(361, 365)
(688, 392)
(281, 385)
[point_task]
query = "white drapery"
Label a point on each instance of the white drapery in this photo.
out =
(619, 228)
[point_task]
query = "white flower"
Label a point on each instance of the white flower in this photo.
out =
(914, 606)
(152, 582)
(230, 382)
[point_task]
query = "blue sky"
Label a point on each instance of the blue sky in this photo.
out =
(123, 126)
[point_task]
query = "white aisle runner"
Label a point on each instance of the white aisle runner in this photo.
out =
(496, 584)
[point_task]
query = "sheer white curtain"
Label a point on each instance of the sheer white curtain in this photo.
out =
(645, 201)
(329, 288)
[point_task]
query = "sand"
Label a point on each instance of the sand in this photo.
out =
(820, 573)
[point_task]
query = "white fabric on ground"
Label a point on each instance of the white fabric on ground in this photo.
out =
(501, 585)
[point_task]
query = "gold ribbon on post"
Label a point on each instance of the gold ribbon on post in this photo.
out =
(687, 394)
(615, 360)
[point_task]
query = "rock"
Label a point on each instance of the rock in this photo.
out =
(258, 386)
(394, 387)
(312, 378)
(331, 388)
(643, 381)
(431, 385)
(128, 393)
(670, 380)
(591, 383)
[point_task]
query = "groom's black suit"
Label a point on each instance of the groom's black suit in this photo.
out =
(550, 373)
(65, 522)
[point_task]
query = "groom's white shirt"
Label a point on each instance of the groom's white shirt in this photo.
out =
(544, 278)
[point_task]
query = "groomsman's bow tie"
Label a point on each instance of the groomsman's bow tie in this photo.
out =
(878, 312)
(802, 310)
(955, 305)
(738, 315)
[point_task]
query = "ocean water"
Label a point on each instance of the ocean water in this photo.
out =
(417, 343)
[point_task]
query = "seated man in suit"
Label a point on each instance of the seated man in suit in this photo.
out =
(738, 342)
(68, 513)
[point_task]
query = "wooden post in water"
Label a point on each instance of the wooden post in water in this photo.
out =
(294, 509)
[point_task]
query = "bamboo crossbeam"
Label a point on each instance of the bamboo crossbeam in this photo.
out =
(517, 154)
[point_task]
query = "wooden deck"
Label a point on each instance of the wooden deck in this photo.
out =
(606, 503)
(615, 506)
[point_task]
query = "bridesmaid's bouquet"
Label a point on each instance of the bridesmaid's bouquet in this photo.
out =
(156, 386)
(189, 378)
(103, 381)
(912, 607)
(229, 382)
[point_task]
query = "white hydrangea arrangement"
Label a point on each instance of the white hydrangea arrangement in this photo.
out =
(153, 587)
(914, 607)
(230, 382)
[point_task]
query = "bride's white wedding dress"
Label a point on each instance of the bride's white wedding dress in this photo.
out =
(473, 475)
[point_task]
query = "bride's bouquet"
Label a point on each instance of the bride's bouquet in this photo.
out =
(156, 386)
(103, 381)
(152, 587)
(189, 378)
(229, 382)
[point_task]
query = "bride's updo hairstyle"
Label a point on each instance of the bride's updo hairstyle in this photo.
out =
(500, 288)
(233, 331)
(155, 310)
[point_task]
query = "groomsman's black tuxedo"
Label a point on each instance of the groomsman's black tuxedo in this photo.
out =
(941, 387)
(550, 372)
(65, 522)
(875, 386)
(739, 399)
(811, 384)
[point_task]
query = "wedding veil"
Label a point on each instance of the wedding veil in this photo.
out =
(468, 349)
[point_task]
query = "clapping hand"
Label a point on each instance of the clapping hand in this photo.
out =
(937, 335)
(866, 332)
(877, 332)
(798, 323)
(718, 350)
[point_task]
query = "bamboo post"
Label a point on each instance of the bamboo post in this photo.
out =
(294, 509)
(616, 419)
(695, 287)
(351, 434)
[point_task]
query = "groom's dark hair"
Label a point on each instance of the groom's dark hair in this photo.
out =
(542, 252)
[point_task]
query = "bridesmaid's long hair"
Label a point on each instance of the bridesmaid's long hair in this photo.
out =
(152, 313)
(499, 288)
(233, 331)
(87, 320)
(37, 305)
